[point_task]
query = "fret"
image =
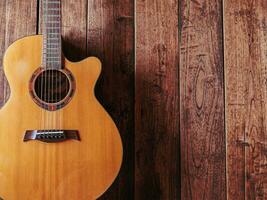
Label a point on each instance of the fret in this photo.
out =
(53, 2)
(50, 33)
(56, 60)
(57, 9)
(51, 19)
(52, 50)
(52, 15)
(48, 54)
(53, 38)
(56, 21)
(54, 44)
(53, 58)
(52, 28)
(49, 16)
(52, 23)
(52, 47)
(49, 11)
(51, 61)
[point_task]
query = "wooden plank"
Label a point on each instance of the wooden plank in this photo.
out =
(111, 38)
(74, 33)
(2, 51)
(246, 98)
(19, 20)
(157, 100)
(202, 100)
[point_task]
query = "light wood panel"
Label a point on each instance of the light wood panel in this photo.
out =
(157, 97)
(246, 98)
(202, 100)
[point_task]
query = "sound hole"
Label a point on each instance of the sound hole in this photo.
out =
(52, 86)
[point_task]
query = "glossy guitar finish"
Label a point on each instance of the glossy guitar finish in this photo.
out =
(69, 170)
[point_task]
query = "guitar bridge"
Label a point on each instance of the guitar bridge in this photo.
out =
(51, 136)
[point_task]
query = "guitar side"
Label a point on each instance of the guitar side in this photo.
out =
(51, 171)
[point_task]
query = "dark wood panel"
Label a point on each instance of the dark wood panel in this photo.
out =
(246, 96)
(19, 20)
(157, 100)
(202, 100)
(2, 50)
(111, 38)
(74, 25)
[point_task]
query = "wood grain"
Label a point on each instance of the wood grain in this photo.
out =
(14, 14)
(111, 38)
(151, 123)
(246, 97)
(157, 100)
(202, 100)
(2, 50)
(74, 29)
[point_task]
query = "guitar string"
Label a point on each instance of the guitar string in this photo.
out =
(42, 67)
(59, 57)
(56, 64)
(49, 68)
(52, 67)
(58, 6)
(43, 94)
(59, 54)
(49, 65)
(57, 25)
(61, 120)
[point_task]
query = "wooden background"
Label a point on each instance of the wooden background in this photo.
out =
(184, 80)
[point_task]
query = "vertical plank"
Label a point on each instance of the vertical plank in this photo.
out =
(74, 25)
(2, 50)
(246, 98)
(202, 100)
(19, 20)
(111, 38)
(157, 100)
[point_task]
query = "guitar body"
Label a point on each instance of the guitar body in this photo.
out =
(69, 170)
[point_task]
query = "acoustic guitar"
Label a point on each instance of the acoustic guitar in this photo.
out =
(56, 140)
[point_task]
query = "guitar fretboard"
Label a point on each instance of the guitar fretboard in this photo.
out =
(52, 34)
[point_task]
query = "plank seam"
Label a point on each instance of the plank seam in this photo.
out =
(37, 16)
(224, 97)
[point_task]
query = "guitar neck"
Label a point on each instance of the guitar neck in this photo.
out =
(52, 44)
